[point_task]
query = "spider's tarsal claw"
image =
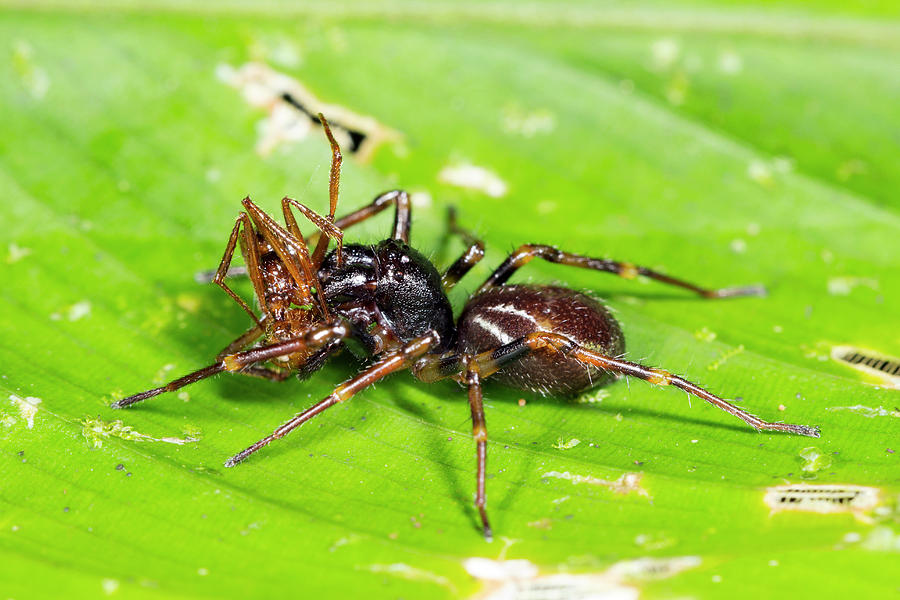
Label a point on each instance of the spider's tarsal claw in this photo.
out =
(808, 431)
(486, 526)
(126, 402)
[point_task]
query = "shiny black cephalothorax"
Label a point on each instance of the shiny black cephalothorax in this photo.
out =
(392, 301)
(388, 289)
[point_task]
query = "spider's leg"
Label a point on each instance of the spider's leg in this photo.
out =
(490, 361)
(389, 363)
(398, 198)
(479, 433)
(527, 252)
(314, 339)
(473, 254)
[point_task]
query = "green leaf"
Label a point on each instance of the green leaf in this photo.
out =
(725, 144)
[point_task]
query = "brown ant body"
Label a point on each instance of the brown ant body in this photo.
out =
(392, 300)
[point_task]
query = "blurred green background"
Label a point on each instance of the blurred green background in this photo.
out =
(726, 143)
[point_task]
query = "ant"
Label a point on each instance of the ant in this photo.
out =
(393, 301)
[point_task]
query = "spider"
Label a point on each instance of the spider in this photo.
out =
(393, 301)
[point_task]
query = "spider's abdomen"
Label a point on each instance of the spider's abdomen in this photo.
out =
(503, 314)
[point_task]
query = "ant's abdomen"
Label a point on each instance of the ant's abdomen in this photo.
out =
(503, 314)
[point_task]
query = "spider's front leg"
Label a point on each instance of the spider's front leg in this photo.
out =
(389, 362)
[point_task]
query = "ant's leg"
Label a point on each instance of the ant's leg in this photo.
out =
(334, 176)
(314, 339)
(242, 230)
(249, 336)
(473, 254)
(398, 198)
(293, 253)
(325, 226)
(387, 364)
(489, 362)
(527, 252)
(203, 277)
(479, 433)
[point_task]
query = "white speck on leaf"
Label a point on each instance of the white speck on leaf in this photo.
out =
(16, 253)
(842, 286)
(474, 177)
(627, 483)
(79, 310)
(561, 444)
(760, 172)
(730, 62)
(527, 123)
(867, 411)
(95, 431)
(27, 406)
(664, 53)
(520, 579)
(33, 77)
(412, 573)
(110, 586)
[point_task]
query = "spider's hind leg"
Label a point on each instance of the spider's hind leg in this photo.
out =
(526, 253)
(471, 257)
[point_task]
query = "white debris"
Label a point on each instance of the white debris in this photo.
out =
(527, 123)
(27, 406)
(79, 310)
(842, 286)
(475, 178)
(562, 444)
(265, 88)
(730, 62)
(627, 483)
(521, 579)
(824, 498)
(412, 573)
(867, 411)
(32, 76)
(421, 199)
(664, 53)
(760, 172)
(16, 253)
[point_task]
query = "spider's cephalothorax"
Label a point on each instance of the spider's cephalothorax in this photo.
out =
(392, 301)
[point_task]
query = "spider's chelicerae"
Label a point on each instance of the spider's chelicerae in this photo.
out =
(393, 301)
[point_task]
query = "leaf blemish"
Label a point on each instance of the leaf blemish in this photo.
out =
(293, 111)
(885, 368)
(33, 77)
(16, 253)
(27, 406)
(95, 431)
(627, 483)
(473, 177)
(405, 571)
(823, 499)
(727, 355)
(506, 579)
